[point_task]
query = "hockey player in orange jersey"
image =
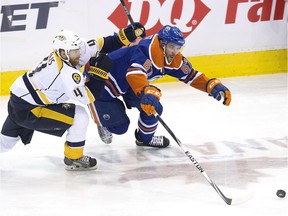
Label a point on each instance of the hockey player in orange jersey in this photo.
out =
(134, 67)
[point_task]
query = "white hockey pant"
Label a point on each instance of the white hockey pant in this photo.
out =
(77, 132)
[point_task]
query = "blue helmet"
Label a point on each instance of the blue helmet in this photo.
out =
(171, 34)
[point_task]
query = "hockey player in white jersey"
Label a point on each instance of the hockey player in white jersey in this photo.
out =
(38, 99)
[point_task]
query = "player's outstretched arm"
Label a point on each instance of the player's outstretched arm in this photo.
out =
(123, 38)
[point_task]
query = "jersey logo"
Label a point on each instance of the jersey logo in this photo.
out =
(106, 117)
(185, 68)
(76, 77)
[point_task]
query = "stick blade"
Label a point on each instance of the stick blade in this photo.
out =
(240, 200)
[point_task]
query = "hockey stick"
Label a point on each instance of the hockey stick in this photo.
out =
(127, 13)
(138, 31)
(227, 200)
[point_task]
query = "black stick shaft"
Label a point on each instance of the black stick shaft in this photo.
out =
(127, 13)
(194, 161)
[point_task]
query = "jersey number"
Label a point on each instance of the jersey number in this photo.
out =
(78, 92)
(48, 60)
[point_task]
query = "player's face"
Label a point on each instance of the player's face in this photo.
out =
(171, 50)
(74, 57)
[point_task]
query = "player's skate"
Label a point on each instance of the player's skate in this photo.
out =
(157, 141)
(83, 163)
(105, 134)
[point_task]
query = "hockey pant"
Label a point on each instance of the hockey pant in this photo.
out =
(112, 114)
(56, 119)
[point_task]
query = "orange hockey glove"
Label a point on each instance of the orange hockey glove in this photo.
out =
(216, 89)
(150, 100)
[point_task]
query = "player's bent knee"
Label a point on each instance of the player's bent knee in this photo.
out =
(120, 129)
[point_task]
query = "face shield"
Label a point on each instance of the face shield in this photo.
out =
(78, 55)
(85, 53)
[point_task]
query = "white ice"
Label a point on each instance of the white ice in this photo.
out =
(243, 148)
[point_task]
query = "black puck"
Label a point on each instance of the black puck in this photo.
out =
(281, 193)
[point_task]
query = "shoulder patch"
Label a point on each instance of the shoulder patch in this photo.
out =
(76, 77)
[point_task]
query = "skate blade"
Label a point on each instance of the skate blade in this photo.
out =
(107, 141)
(77, 168)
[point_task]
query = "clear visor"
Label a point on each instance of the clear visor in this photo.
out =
(84, 53)
(82, 47)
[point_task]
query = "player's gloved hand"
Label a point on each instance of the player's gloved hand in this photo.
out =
(216, 89)
(150, 100)
(129, 34)
(99, 67)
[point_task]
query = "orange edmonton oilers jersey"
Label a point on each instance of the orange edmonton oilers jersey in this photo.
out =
(135, 66)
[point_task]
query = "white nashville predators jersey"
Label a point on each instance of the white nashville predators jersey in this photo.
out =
(53, 81)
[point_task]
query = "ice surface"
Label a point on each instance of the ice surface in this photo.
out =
(243, 148)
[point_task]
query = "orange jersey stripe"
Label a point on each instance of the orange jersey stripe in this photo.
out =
(112, 87)
(137, 81)
(200, 82)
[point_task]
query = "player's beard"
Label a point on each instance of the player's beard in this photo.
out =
(74, 57)
(74, 62)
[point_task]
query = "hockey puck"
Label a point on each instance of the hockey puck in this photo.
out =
(281, 193)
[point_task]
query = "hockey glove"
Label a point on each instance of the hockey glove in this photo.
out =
(150, 100)
(129, 34)
(216, 89)
(99, 67)
(96, 86)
